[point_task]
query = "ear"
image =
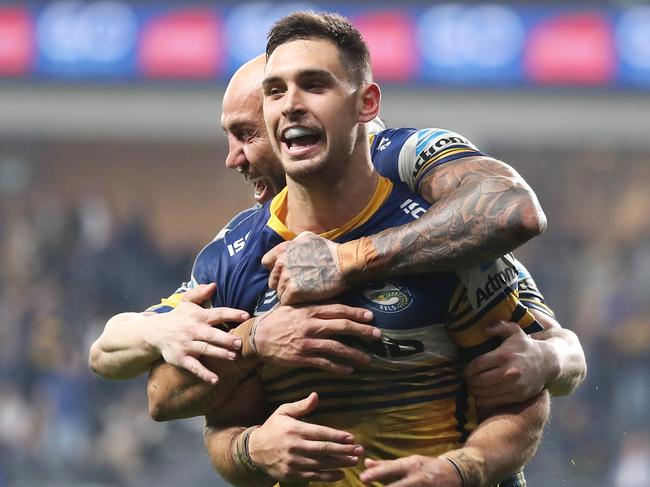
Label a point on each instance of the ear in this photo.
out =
(370, 99)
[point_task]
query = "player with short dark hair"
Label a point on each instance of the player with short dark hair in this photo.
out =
(404, 403)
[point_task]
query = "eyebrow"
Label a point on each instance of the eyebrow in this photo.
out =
(307, 73)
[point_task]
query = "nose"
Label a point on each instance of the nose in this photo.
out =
(236, 159)
(293, 104)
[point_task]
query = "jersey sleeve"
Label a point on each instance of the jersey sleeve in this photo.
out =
(205, 271)
(486, 294)
(408, 154)
(236, 220)
(529, 293)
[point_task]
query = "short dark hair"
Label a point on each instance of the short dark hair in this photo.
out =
(329, 26)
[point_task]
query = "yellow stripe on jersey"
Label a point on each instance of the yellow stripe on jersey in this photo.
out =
(278, 212)
(173, 300)
(539, 305)
(468, 328)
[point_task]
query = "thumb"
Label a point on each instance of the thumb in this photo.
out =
(300, 408)
(200, 294)
(503, 329)
(268, 260)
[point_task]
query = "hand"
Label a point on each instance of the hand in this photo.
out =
(286, 448)
(186, 332)
(515, 371)
(305, 269)
(413, 471)
(305, 336)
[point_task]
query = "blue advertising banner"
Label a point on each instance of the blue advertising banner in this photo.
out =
(446, 44)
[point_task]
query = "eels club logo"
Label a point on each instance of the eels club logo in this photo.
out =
(387, 297)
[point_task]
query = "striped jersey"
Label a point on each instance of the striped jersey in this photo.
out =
(411, 398)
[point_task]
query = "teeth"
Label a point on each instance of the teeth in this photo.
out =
(295, 132)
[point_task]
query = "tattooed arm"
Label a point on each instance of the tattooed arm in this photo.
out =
(481, 209)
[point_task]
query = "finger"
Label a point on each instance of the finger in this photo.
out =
(300, 408)
(283, 288)
(287, 291)
(483, 363)
(487, 379)
(198, 369)
(332, 311)
(275, 275)
(217, 316)
(511, 385)
(200, 294)
(348, 328)
(327, 462)
(218, 338)
(337, 350)
(268, 260)
(314, 449)
(318, 433)
(384, 471)
(503, 329)
(207, 350)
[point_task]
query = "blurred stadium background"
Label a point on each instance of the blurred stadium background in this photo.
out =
(112, 177)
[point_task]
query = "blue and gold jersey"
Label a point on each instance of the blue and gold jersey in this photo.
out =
(403, 155)
(411, 399)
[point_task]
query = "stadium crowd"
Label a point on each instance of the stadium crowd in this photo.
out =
(67, 267)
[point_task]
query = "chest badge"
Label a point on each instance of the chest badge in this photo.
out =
(387, 297)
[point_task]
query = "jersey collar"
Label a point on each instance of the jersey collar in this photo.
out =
(278, 210)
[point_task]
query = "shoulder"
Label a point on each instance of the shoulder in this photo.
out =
(237, 219)
(407, 154)
(226, 248)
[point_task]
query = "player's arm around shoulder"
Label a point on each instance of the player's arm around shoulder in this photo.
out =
(132, 342)
(482, 204)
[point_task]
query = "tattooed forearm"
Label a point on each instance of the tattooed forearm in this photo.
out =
(482, 209)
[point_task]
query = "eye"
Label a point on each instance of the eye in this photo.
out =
(272, 91)
(315, 86)
(247, 135)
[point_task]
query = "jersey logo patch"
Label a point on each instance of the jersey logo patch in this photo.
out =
(387, 297)
(495, 282)
(238, 245)
(412, 208)
(383, 144)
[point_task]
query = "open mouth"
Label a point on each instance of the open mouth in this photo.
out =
(300, 140)
(262, 190)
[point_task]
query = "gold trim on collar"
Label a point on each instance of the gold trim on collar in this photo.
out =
(278, 210)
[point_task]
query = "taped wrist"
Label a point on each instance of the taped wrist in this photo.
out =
(355, 257)
(246, 332)
(242, 454)
(470, 466)
(243, 331)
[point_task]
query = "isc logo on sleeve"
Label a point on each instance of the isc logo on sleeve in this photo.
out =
(237, 245)
(412, 208)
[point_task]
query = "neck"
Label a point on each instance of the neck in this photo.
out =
(326, 204)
